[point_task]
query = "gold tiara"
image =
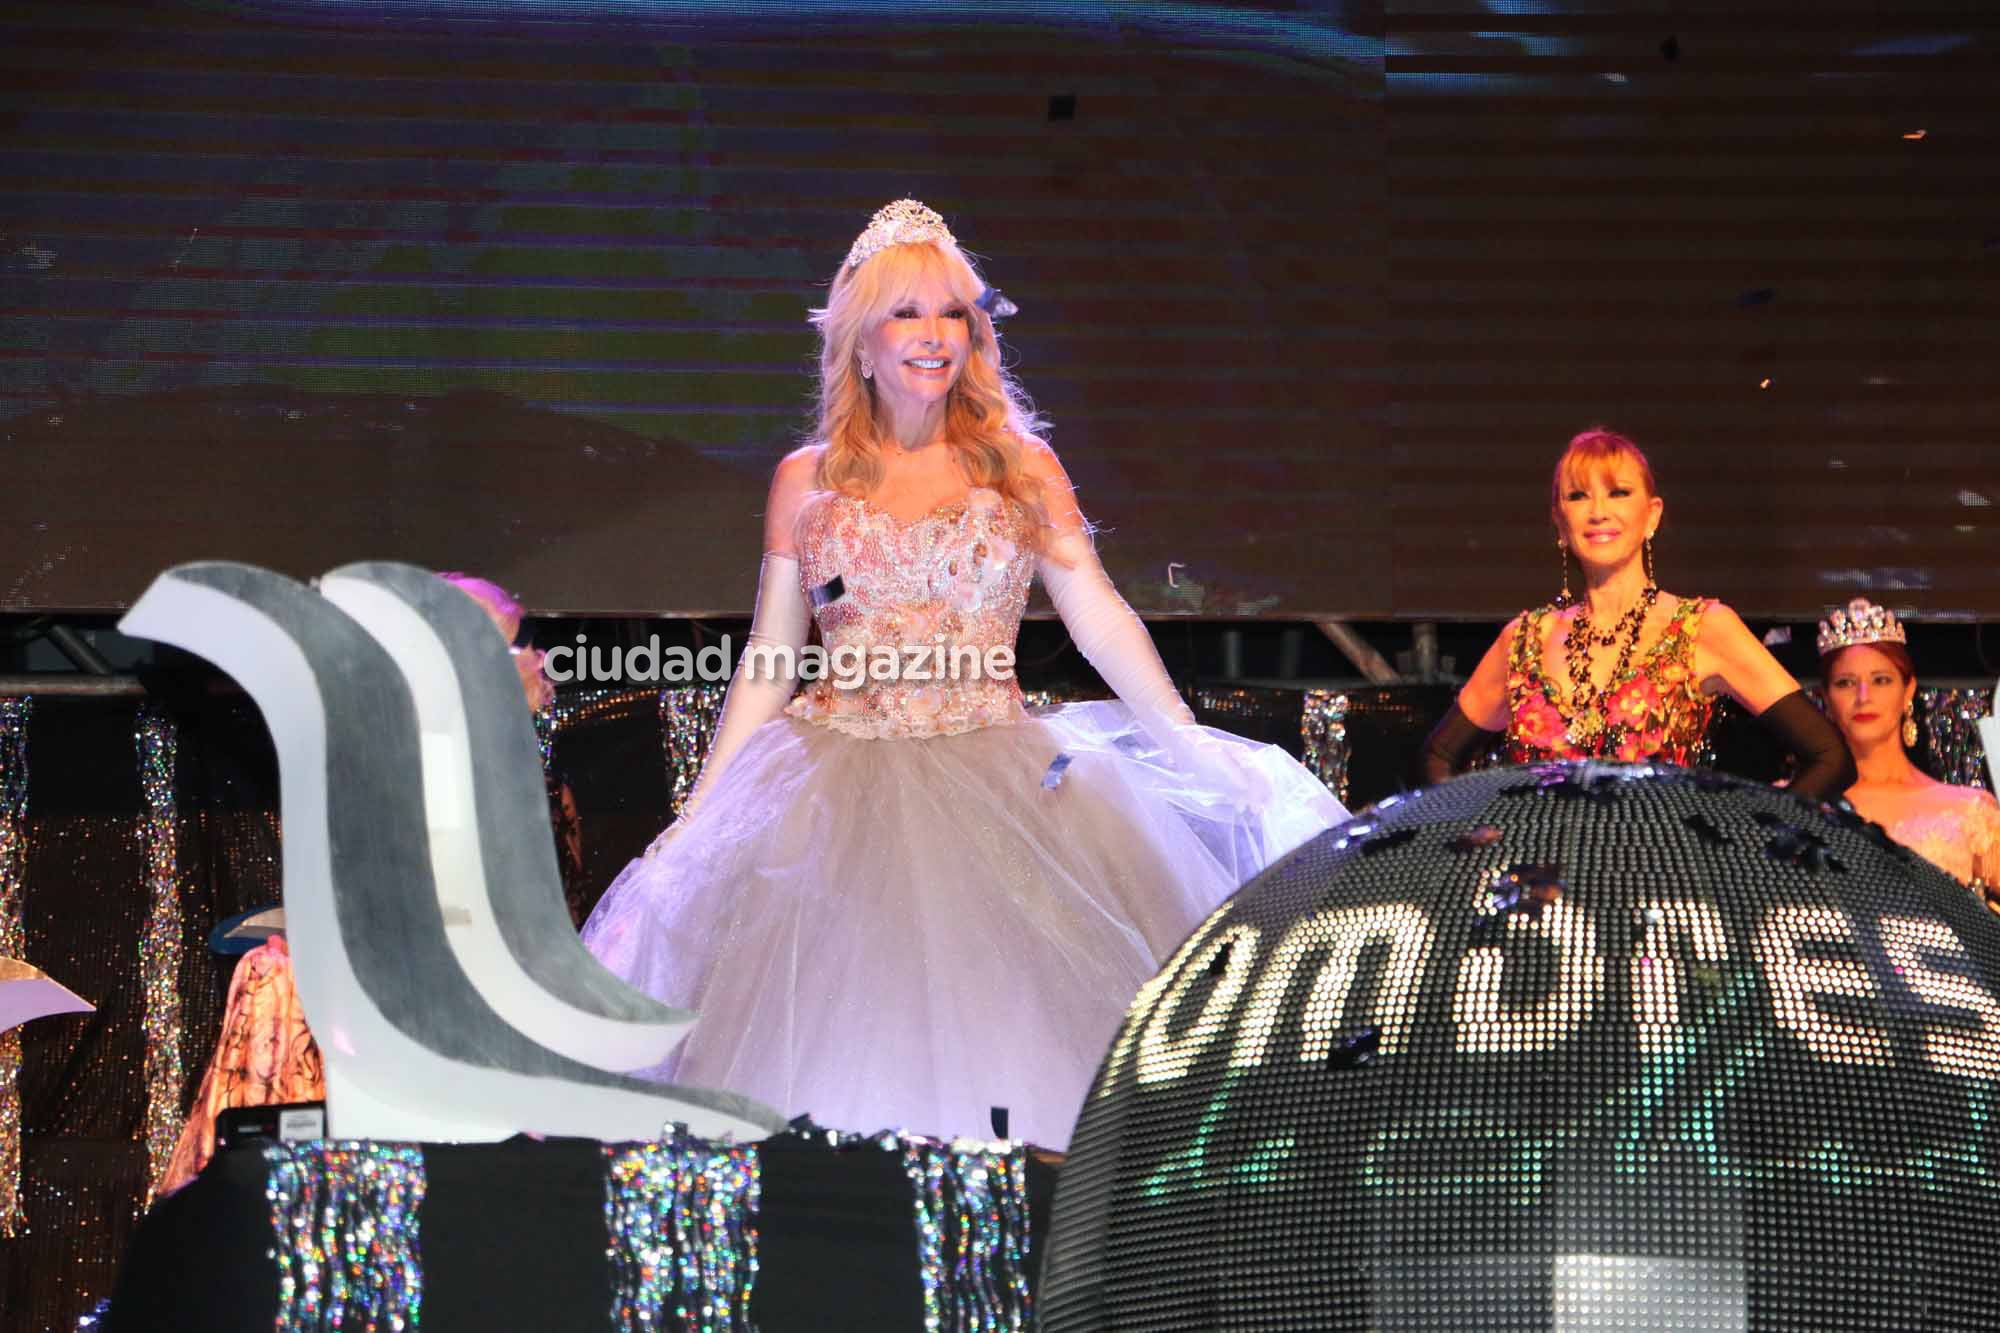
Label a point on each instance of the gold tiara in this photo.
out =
(905, 222)
(1862, 622)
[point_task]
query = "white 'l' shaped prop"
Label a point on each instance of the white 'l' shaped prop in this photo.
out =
(487, 816)
(413, 1048)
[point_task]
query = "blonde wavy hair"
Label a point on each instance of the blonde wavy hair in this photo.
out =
(989, 422)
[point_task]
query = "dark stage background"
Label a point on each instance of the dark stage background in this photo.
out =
(523, 288)
(1640, 213)
(1313, 293)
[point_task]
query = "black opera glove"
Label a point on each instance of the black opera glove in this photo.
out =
(1825, 769)
(1453, 744)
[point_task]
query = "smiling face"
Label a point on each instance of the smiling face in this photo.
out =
(1866, 692)
(917, 346)
(1604, 510)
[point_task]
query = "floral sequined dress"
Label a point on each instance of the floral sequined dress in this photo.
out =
(1957, 830)
(1655, 711)
(906, 904)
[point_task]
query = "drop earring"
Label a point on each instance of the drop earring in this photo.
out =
(1651, 581)
(1909, 725)
(1564, 599)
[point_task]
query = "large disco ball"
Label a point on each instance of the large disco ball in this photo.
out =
(1577, 1046)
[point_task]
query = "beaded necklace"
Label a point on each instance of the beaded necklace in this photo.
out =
(1587, 720)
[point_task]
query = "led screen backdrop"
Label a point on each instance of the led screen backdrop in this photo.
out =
(1757, 235)
(1312, 293)
(523, 289)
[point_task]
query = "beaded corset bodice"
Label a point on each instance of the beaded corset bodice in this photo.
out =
(934, 595)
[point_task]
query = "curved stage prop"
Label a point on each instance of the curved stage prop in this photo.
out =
(433, 954)
(454, 1003)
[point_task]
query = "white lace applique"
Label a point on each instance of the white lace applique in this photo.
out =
(940, 590)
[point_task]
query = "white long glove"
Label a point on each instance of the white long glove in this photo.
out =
(757, 693)
(1116, 644)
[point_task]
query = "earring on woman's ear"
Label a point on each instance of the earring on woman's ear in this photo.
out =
(1651, 582)
(1564, 598)
(867, 370)
(1909, 724)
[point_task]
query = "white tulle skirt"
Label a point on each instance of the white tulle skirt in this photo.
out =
(909, 933)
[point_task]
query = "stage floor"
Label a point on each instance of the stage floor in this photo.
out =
(516, 1235)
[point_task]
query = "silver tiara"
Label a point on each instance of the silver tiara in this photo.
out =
(1862, 622)
(905, 222)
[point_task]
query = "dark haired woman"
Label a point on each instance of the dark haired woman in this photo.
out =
(1871, 687)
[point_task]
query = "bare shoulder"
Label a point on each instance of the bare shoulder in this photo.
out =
(1720, 635)
(1058, 494)
(793, 482)
(799, 467)
(796, 476)
(1729, 659)
(1039, 461)
(1717, 616)
(1483, 698)
(1502, 646)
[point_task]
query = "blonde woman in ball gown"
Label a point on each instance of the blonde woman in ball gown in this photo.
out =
(1871, 688)
(903, 904)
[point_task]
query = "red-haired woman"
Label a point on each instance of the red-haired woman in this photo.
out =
(1624, 670)
(1871, 687)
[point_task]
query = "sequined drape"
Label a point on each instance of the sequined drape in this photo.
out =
(1323, 730)
(13, 942)
(971, 1202)
(680, 1217)
(345, 1235)
(1949, 722)
(156, 739)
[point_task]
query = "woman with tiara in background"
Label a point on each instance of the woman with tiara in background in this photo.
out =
(907, 902)
(1624, 671)
(1871, 689)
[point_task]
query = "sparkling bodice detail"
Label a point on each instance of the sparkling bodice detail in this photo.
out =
(1656, 710)
(939, 591)
(1959, 832)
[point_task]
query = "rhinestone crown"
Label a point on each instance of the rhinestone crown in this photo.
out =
(905, 222)
(1861, 622)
